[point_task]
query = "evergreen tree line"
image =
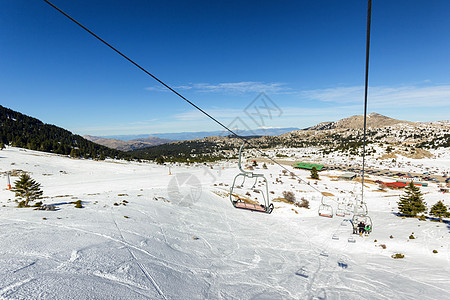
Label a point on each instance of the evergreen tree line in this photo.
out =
(188, 151)
(22, 131)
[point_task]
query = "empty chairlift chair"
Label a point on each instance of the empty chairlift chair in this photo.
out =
(325, 210)
(239, 201)
(340, 211)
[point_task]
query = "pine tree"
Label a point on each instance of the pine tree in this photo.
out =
(314, 173)
(2, 146)
(439, 210)
(27, 189)
(160, 160)
(74, 153)
(411, 203)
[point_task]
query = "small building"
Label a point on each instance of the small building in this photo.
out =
(307, 166)
(419, 183)
(395, 185)
(348, 176)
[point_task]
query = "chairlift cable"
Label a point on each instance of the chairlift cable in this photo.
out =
(173, 90)
(140, 67)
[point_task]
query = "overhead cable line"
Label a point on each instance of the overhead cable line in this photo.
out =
(138, 66)
(175, 92)
(366, 87)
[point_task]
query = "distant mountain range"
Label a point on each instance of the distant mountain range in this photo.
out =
(128, 145)
(134, 142)
(184, 136)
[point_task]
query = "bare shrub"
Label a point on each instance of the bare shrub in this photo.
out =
(397, 255)
(304, 203)
(289, 196)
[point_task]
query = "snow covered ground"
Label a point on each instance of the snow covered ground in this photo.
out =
(178, 237)
(438, 165)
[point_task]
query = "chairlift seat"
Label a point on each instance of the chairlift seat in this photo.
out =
(327, 215)
(340, 213)
(324, 253)
(254, 207)
(303, 272)
(326, 210)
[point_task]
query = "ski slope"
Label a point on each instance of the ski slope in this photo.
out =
(178, 237)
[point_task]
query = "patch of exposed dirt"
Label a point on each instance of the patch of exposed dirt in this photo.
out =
(418, 154)
(389, 155)
(281, 199)
(327, 194)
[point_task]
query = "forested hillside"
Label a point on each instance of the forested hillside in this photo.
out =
(187, 151)
(19, 130)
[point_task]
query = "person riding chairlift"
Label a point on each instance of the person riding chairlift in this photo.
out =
(361, 227)
(367, 229)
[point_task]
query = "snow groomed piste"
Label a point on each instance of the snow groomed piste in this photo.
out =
(208, 250)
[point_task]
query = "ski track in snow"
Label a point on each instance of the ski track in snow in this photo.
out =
(128, 284)
(13, 286)
(144, 270)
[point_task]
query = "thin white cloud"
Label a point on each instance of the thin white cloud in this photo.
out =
(321, 111)
(338, 94)
(157, 88)
(231, 87)
(241, 87)
(411, 96)
(217, 113)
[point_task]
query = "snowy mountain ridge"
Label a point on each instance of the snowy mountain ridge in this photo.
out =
(345, 135)
(374, 120)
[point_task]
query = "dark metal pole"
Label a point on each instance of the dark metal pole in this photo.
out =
(366, 86)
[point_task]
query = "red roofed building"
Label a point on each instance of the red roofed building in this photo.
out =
(395, 185)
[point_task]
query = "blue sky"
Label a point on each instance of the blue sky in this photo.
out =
(307, 56)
